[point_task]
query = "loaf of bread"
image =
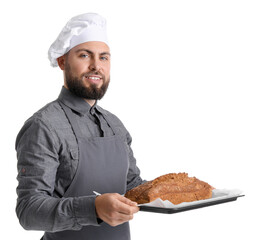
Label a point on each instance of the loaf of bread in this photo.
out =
(175, 187)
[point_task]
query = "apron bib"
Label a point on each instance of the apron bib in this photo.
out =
(103, 167)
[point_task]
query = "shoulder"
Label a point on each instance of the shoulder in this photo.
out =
(51, 115)
(45, 122)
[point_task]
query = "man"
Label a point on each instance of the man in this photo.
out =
(72, 148)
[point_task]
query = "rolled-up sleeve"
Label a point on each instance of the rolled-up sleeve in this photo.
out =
(38, 159)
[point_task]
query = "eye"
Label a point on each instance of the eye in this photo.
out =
(104, 58)
(84, 55)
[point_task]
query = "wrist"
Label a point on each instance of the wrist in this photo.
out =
(84, 210)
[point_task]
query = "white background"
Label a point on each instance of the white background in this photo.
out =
(185, 81)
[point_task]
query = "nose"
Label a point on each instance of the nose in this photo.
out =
(94, 65)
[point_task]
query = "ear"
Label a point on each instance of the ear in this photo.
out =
(61, 62)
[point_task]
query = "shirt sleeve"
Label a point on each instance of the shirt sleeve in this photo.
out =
(37, 208)
(133, 177)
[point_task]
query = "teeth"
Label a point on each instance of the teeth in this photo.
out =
(94, 78)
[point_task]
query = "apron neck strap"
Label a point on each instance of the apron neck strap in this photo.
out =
(72, 119)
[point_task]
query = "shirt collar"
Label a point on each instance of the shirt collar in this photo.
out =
(76, 103)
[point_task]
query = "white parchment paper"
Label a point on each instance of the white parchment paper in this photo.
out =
(217, 194)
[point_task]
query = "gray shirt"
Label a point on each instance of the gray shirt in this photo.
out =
(47, 153)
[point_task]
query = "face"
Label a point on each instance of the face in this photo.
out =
(87, 69)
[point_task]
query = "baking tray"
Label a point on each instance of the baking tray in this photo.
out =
(190, 207)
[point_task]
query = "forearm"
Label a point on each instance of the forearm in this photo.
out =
(56, 214)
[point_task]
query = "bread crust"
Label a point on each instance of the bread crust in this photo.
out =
(175, 187)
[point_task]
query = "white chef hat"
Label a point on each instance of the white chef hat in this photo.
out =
(82, 28)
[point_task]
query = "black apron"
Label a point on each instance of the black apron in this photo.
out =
(103, 167)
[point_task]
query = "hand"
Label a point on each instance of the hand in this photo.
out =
(115, 209)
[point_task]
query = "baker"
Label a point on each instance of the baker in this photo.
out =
(72, 148)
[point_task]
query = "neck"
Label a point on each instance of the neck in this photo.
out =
(91, 102)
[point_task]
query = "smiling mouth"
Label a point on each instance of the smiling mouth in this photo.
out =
(93, 79)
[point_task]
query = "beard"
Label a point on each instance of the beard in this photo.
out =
(76, 85)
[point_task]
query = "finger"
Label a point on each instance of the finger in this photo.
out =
(127, 201)
(121, 218)
(126, 209)
(130, 210)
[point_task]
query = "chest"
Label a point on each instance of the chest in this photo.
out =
(69, 148)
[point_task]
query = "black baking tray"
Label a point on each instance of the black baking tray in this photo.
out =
(187, 208)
